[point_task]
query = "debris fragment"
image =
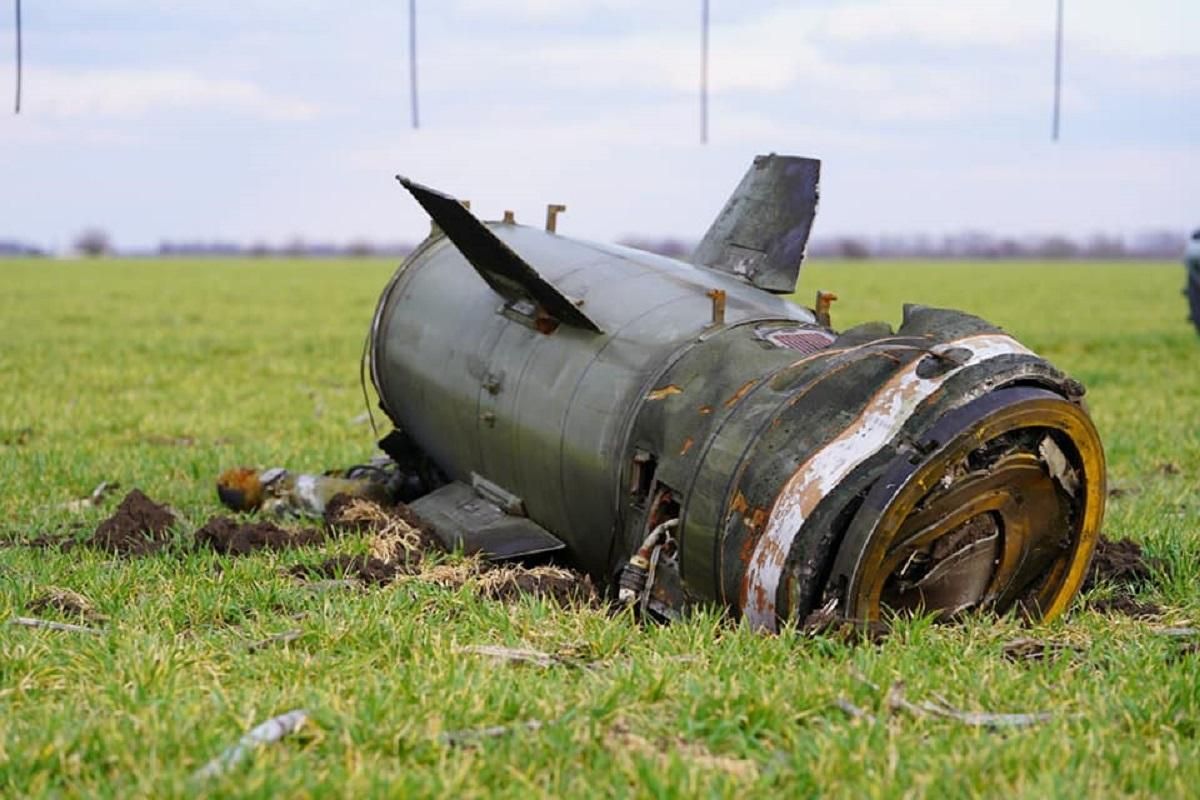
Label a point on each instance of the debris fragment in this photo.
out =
(229, 537)
(268, 732)
(283, 493)
(92, 500)
(67, 602)
(276, 639)
(65, 627)
(468, 738)
(1178, 632)
(896, 701)
(512, 654)
(853, 710)
(1060, 468)
(138, 527)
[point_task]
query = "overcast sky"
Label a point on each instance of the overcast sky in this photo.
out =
(271, 119)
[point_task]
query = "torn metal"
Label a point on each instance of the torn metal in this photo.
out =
(687, 436)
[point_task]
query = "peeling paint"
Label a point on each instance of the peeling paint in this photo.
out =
(742, 391)
(876, 425)
(705, 410)
(664, 392)
(687, 445)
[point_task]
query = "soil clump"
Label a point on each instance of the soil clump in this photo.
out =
(138, 527)
(230, 537)
(367, 569)
(1121, 562)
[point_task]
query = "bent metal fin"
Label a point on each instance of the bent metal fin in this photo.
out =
(506, 272)
(473, 519)
(762, 231)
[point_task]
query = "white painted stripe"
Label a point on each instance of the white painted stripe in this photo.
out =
(877, 424)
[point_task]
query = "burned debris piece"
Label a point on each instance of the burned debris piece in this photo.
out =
(283, 493)
(684, 435)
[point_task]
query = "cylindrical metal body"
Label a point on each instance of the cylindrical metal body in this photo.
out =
(544, 416)
(761, 432)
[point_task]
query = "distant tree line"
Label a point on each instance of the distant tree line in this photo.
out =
(1157, 244)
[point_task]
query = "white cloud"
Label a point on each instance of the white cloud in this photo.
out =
(135, 93)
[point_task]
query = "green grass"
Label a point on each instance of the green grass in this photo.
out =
(159, 374)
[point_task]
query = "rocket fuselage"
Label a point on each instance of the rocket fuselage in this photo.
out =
(761, 432)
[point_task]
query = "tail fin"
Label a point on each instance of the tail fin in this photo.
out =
(761, 233)
(505, 271)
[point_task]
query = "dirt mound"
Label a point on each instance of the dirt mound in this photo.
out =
(230, 537)
(138, 527)
(1123, 565)
(368, 569)
(510, 582)
(1121, 562)
(1124, 603)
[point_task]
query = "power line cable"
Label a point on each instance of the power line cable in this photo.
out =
(1058, 57)
(703, 71)
(17, 106)
(412, 63)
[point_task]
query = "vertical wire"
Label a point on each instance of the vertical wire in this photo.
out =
(703, 71)
(1058, 53)
(412, 63)
(17, 107)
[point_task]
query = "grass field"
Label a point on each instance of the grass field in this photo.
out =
(160, 374)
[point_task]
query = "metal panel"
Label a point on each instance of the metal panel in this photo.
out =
(463, 519)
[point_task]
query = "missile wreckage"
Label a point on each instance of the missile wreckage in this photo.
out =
(687, 436)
